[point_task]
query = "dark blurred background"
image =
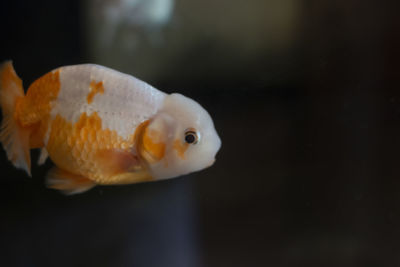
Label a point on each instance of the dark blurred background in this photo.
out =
(305, 97)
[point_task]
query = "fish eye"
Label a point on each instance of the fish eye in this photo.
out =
(191, 137)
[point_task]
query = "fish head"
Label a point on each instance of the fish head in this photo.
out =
(179, 139)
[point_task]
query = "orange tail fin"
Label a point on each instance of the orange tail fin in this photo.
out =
(13, 137)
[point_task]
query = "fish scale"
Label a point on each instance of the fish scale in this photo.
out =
(79, 145)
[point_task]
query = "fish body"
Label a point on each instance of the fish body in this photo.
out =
(100, 126)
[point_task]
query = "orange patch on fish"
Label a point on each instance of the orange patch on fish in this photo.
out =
(180, 148)
(140, 130)
(33, 110)
(75, 147)
(95, 88)
(151, 147)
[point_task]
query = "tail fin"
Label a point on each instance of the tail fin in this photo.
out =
(13, 137)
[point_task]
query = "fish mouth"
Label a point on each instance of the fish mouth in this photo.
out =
(210, 163)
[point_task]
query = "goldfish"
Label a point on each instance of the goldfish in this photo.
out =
(102, 127)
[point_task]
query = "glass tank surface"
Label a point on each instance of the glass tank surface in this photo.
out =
(304, 96)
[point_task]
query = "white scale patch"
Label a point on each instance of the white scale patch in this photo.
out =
(125, 103)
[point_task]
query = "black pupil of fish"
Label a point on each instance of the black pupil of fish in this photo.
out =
(190, 138)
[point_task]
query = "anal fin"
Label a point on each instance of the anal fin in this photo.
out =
(67, 182)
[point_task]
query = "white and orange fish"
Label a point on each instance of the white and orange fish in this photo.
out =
(102, 127)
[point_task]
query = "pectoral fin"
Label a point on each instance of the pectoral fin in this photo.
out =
(131, 178)
(122, 167)
(117, 161)
(67, 182)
